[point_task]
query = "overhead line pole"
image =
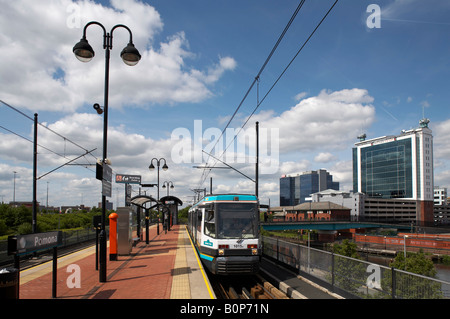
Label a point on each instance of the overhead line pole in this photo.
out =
(34, 224)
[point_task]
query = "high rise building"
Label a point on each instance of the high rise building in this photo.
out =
(297, 189)
(397, 167)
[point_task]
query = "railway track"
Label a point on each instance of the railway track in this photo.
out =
(245, 287)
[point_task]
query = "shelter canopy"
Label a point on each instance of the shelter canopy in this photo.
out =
(140, 200)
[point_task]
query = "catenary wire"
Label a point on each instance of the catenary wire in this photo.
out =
(256, 79)
(44, 126)
(273, 85)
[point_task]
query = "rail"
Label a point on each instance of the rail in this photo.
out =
(354, 278)
(251, 287)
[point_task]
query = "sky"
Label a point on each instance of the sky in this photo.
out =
(374, 67)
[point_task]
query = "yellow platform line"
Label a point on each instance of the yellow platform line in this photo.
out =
(201, 268)
(180, 282)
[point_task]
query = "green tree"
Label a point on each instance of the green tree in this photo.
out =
(22, 215)
(417, 263)
(183, 214)
(407, 285)
(347, 248)
(3, 227)
(7, 214)
(349, 274)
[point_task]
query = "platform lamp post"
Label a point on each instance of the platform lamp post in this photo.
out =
(167, 184)
(130, 56)
(165, 168)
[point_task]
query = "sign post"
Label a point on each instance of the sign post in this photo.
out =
(128, 179)
(106, 181)
(26, 244)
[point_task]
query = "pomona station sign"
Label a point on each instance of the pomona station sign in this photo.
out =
(25, 244)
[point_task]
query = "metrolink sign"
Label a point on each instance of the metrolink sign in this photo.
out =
(25, 244)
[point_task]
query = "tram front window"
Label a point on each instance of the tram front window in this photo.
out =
(237, 220)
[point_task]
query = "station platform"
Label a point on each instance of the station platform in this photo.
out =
(166, 268)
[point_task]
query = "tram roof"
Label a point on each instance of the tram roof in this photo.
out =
(227, 197)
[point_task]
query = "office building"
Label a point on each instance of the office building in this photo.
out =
(297, 189)
(353, 201)
(440, 195)
(396, 168)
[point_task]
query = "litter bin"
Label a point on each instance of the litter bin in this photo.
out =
(9, 281)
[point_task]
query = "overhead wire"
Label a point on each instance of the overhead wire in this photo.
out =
(285, 69)
(257, 77)
(46, 127)
(274, 84)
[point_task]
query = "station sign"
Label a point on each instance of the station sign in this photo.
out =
(128, 179)
(25, 244)
(106, 180)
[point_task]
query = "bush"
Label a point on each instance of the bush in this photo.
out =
(3, 228)
(25, 228)
(17, 220)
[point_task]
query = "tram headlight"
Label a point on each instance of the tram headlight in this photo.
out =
(254, 251)
(221, 252)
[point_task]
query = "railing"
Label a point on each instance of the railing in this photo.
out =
(354, 278)
(70, 237)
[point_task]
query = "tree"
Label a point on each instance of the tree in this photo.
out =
(416, 263)
(348, 273)
(409, 286)
(3, 227)
(347, 248)
(183, 214)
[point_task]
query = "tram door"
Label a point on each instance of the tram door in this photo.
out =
(198, 225)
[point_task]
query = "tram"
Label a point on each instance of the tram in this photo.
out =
(225, 232)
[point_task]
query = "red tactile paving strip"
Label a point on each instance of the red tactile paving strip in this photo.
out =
(145, 274)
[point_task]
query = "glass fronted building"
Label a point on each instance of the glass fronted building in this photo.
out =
(397, 167)
(297, 189)
(386, 170)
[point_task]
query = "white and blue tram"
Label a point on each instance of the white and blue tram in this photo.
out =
(225, 232)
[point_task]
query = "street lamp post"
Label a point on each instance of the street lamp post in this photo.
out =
(130, 56)
(167, 184)
(165, 168)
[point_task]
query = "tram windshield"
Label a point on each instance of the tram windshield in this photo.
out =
(237, 220)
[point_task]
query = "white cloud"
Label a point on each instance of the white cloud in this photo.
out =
(290, 168)
(441, 132)
(343, 173)
(330, 120)
(300, 96)
(49, 77)
(325, 157)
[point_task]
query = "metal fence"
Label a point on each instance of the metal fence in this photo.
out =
(353, 277)
(70, 237)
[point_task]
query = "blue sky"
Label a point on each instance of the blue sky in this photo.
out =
(199, 58)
